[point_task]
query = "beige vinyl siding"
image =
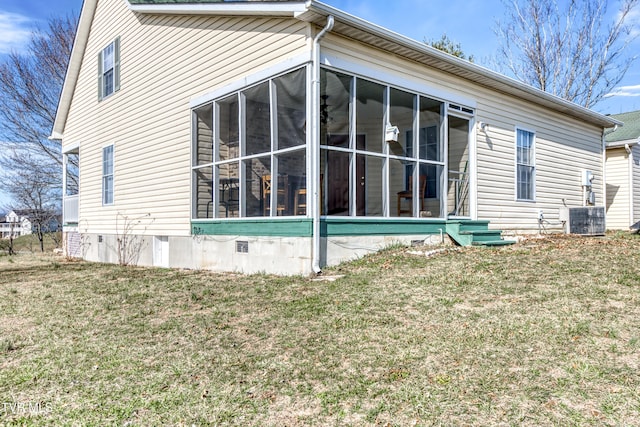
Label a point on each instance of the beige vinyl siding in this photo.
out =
(618, 201)
(165, 62)
(635, 170)
(564, 145)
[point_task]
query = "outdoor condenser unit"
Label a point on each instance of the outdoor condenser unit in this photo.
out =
(586, 221)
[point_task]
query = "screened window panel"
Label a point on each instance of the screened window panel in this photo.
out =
(291, 108)
(73, 174)
(204, 134)
(293, 181)
(335, 182)
(370, 111)
(402, 114)
(250, 127)
(369, 185)
(400, 176)
(204, 192)
(335, 98)
(228, 180)
(257, 195)
(433, 181)
(227, 128)
(258, 119)
(430, 141)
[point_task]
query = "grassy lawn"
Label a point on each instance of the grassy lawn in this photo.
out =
(546, 332)
(30, 243)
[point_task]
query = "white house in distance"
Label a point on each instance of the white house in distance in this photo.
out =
(15, 223)
(623, 172)
(286, 136)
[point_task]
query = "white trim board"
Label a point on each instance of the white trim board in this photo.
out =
(394, 79)
(252, 79)
(235, 8)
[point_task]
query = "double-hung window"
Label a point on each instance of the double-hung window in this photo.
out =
(107, 175)
(109, 69)
(525, 165)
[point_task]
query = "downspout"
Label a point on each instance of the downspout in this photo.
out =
(604, 167)
(629, 151)
(315, 143)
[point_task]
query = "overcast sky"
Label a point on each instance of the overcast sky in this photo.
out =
(468, 22)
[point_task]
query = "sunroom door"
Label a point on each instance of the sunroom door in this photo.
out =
(458, 200)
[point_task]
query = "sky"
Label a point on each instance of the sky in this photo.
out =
(468, 22)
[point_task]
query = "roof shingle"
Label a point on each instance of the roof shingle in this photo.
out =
(630, 130)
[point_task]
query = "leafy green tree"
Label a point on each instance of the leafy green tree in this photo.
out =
(447, 45)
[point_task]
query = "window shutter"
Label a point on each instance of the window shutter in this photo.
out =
(116, 64)
(100, 76)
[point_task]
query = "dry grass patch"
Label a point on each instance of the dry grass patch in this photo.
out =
(544, 332)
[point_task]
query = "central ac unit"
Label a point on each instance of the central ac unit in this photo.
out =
(586, 221)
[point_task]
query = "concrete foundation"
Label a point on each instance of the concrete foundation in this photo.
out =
(242, 254)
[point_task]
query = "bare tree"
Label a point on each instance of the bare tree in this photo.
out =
(30, 86)
(35, 194)
(7, 244)
(566, 48)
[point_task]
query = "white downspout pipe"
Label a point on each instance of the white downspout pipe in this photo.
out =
(315, 143)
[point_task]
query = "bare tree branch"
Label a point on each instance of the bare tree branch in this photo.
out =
(30, 86)
(35, 192)
(569, 51)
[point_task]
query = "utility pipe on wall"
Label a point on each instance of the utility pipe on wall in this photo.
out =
(315, 143)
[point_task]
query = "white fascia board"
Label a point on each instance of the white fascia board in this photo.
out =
(384, 33)
(398, 80)
(73, 69)
(235, 8)
(619, 144)
(71, 148)
(251, 79)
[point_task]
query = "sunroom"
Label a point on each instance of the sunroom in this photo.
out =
(385, 153)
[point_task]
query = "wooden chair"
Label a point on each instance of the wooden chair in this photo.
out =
(408, 195)
(266, 195)
(300, 202)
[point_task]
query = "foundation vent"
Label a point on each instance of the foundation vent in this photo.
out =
(242, 246)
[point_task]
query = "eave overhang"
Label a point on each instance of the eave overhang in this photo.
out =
(621, 144)
(73, 69)
(346, 25)
(257, 8)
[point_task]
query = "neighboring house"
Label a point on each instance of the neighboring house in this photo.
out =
(16, 223)
(285, 136)
(623, 172)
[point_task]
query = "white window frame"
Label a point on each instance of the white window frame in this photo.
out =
(107, 175)
(242, 157)
(112, 50)
(386, 154)
(531, 164)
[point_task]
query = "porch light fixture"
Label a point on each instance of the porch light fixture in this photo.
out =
(483, 126)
